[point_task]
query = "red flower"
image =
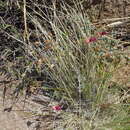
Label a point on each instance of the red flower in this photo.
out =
(102, 33)
(56, 108)
(91, 39)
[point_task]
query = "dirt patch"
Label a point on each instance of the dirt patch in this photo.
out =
(122, 76)
(33, 113)
(11, 120)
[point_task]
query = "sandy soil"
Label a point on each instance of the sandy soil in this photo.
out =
(11, 120)
(22, 116)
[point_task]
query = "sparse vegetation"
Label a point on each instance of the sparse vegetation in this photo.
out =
(62, 51)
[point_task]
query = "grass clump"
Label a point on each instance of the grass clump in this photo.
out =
(81, 72)
(74, 64)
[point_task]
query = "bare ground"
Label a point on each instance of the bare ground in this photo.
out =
(34, 113)
(11, 120)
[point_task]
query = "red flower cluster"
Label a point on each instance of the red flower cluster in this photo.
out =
(56, 108)
(91, 39)
(94, 39)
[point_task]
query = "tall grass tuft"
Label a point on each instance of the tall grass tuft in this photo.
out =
(81, 71)
(75, 63)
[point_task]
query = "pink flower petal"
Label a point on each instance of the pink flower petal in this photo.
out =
(91, 39)
(57, 108)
